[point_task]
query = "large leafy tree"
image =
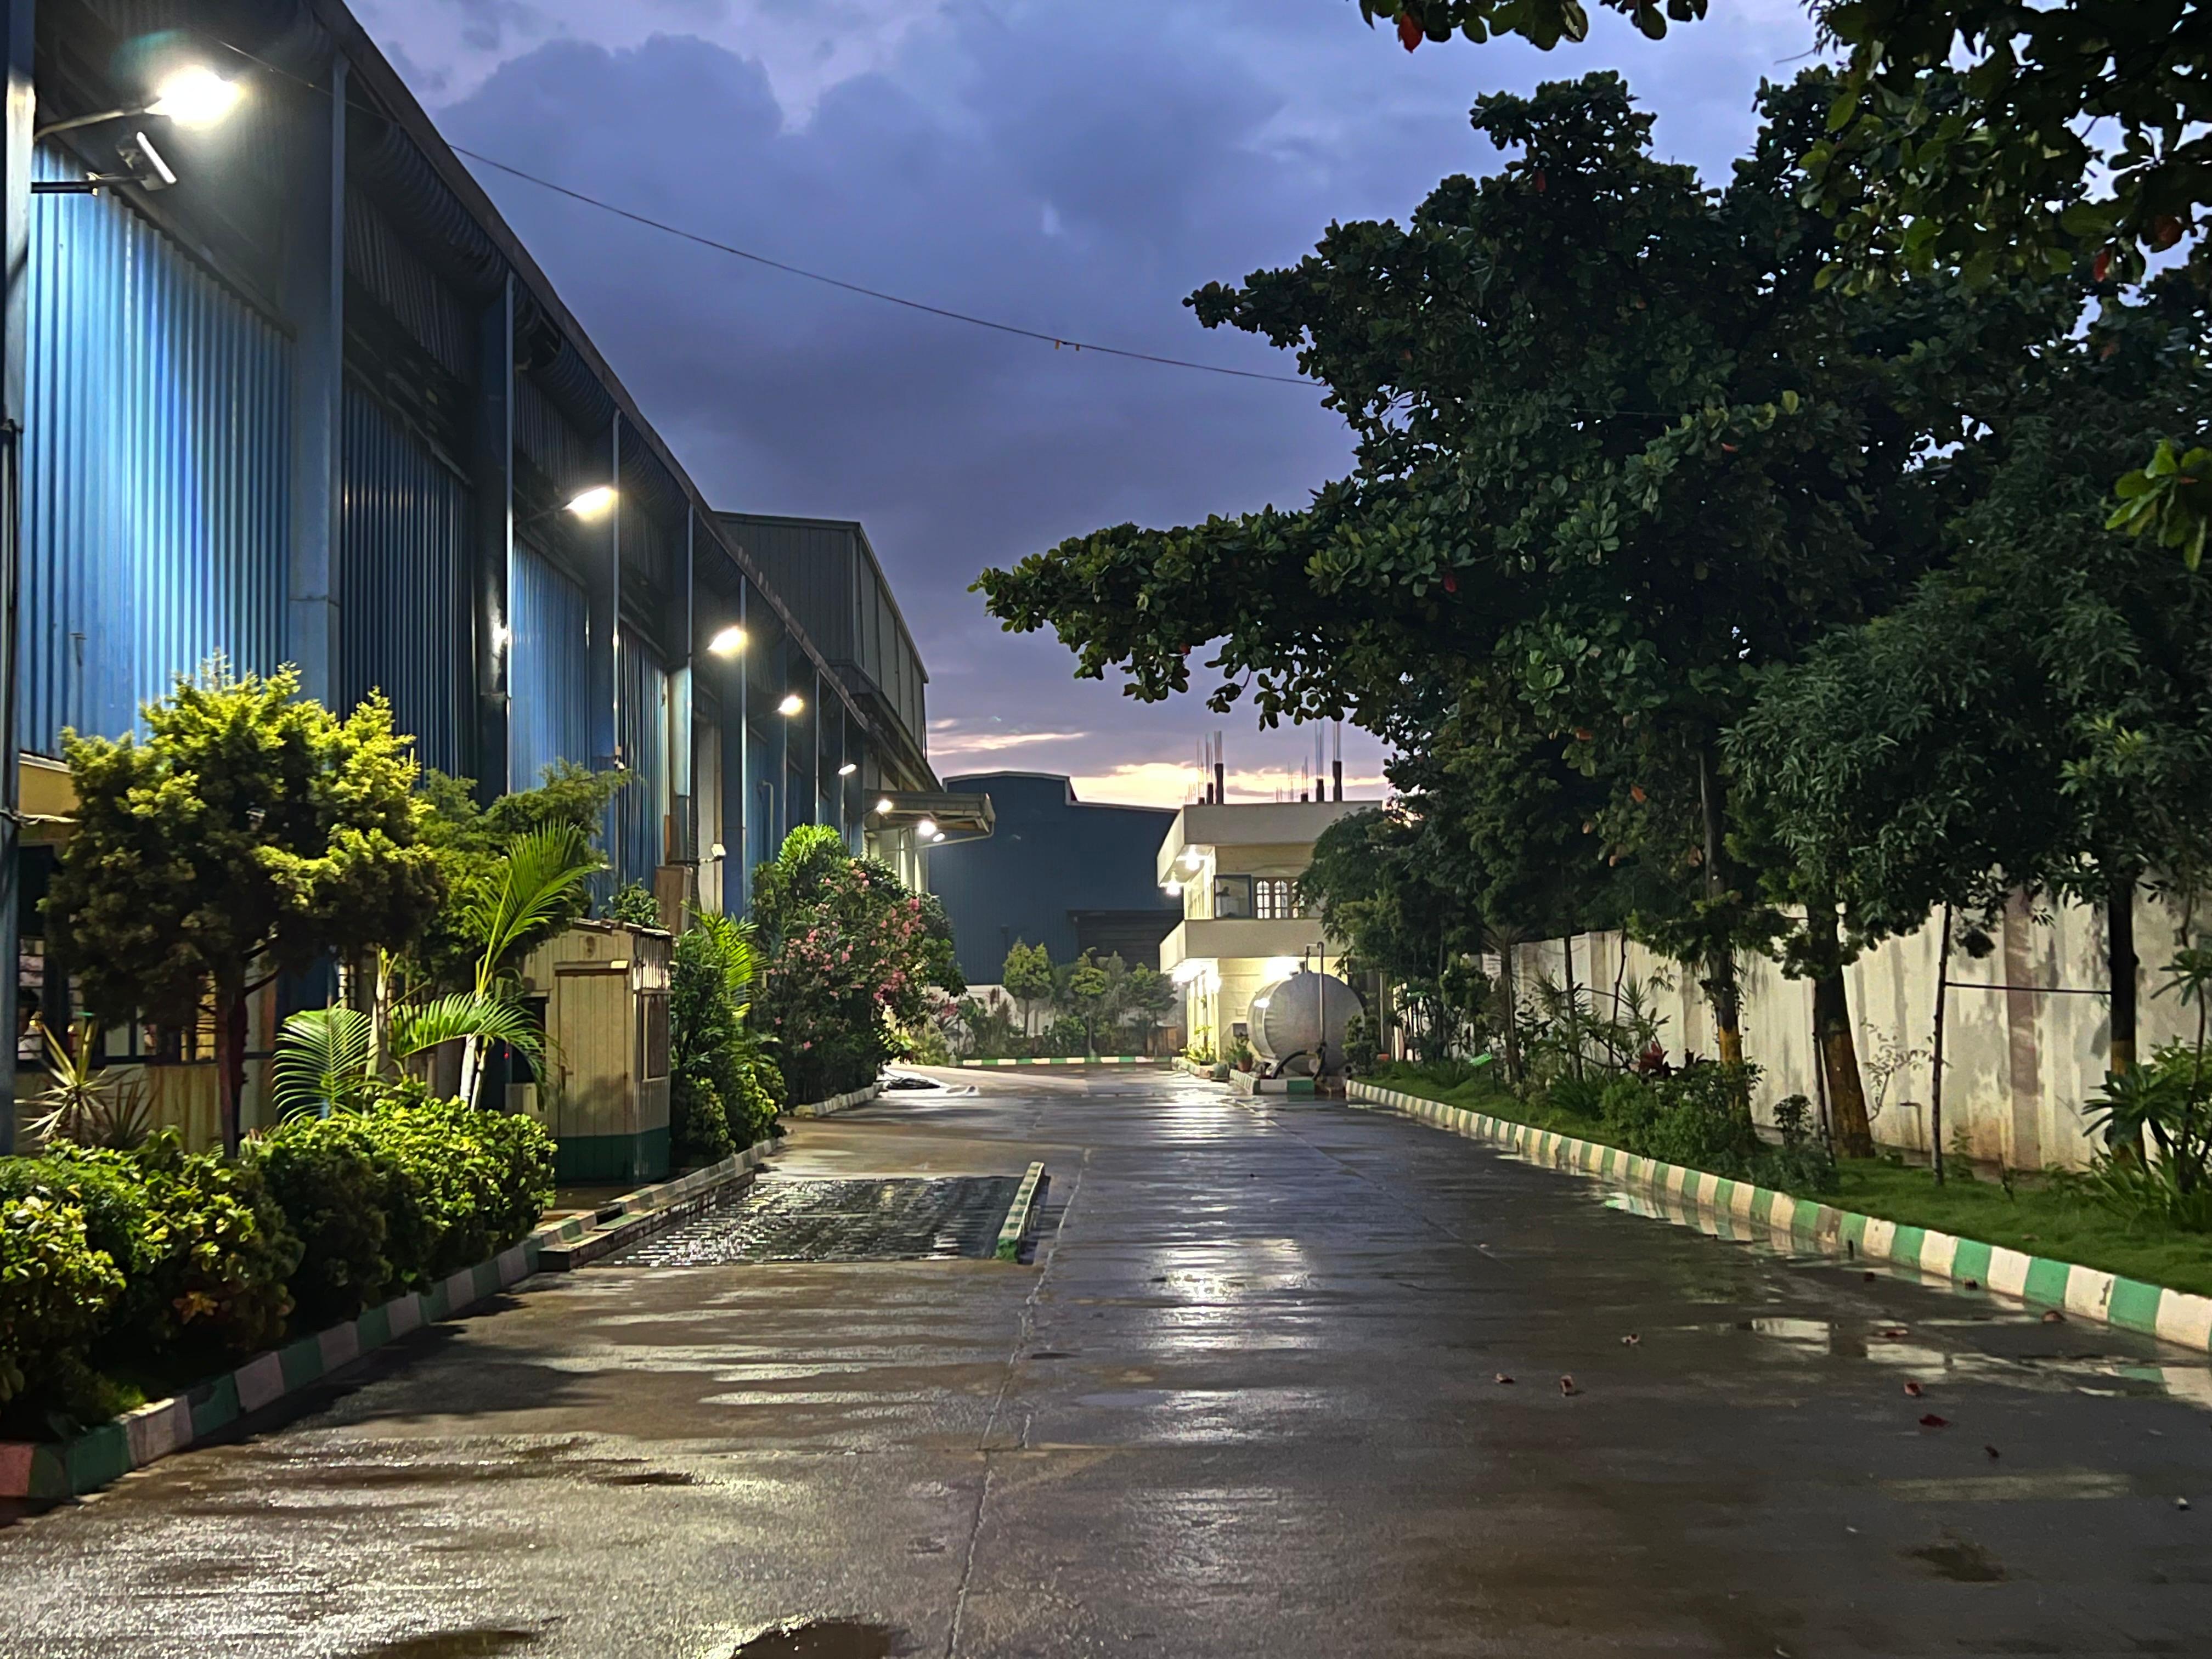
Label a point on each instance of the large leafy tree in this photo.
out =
(249, 832)
(2039, 714)
(1617, 450)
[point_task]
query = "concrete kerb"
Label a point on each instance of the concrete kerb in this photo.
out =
(1016, 1227)
(2171, 1315)
(1095, 1060)
(836, 1103)
(102, 1455)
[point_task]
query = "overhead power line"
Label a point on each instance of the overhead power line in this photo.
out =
(1055, 340)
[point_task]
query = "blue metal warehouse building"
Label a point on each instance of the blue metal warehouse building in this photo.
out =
(1067, 874)
(286, 388)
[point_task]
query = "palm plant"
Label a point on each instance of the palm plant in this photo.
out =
(544, 871)
(86, 1102)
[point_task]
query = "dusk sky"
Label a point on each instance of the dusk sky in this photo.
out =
(1072, 166)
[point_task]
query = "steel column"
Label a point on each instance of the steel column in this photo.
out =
(315, 301)
(492, 624)
(18, 117)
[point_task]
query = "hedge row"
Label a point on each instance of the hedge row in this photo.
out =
(161, 1260)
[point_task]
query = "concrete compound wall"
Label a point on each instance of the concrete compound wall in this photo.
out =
(2018, 1063)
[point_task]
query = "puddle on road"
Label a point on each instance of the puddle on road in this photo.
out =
(821, 1638)
(1960, 1560)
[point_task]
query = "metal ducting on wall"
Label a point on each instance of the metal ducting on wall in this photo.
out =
(549, 717)
(642, 809)
(156, 497)
(402, 563)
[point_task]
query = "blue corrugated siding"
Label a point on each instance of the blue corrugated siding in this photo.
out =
(549, 717)
(403, 561)
(155, 495)
(642, 808)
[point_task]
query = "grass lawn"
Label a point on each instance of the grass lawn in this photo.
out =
(2034, 1217)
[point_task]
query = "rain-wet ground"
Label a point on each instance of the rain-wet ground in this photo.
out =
(783, 1219)
(1252, 1399)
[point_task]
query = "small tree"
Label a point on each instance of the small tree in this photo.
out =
(251, 832)
(1150, 995)
(1028, 977)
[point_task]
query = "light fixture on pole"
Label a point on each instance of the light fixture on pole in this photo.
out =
(727, 641)
(926, 829)
(792, 703)
(883, 807)
(593, 503)
(848, 768)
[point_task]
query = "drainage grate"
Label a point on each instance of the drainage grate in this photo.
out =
(790, 1220)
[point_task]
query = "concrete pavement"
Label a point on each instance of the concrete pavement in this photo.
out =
(1245, 1402)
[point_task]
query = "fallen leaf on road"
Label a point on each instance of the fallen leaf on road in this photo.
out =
(2181, 1503)
(1914, 1389)
(1502, 1377)
(1567, 1386)
(1932, 1421)
(1993, 1452)
(1631, 1340)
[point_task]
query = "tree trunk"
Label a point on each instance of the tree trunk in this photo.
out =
(1721, 985)
(1839, 1055)
(1935, 1085)
(1574, 1012)
(230, 1061)
(2120, 936)
(1512, 1025)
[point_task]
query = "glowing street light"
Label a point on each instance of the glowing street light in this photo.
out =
(792, 703)
(926, 829)
(883, 807)
(728, 642)
(848, 768)
(195, 97)
(590, 503)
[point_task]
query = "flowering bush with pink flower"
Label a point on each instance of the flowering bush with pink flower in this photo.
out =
(852, 954)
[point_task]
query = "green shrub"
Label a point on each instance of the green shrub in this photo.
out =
(1698, 1117)
(217, 1253)
(1582, 1096)
(1065, 1039)
(699, 1123)
(113, 1199)
(465, 1183)
(334, 1188)
(56, 1292)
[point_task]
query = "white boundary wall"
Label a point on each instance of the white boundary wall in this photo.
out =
(2018, 1063)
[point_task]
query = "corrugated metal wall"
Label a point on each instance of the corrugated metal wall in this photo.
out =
(156, 472)
(549, 717)
(642, 730)
(402, 582)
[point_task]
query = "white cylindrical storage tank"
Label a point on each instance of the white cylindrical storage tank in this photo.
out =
(1293, 1017)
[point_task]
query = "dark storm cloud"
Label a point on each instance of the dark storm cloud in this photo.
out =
(1073, 169)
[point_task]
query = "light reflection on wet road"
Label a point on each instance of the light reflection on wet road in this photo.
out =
(1250, 1400)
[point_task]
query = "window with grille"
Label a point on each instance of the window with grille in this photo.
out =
(1274, 898)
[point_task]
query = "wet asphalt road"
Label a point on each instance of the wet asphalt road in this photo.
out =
(1245, 1402)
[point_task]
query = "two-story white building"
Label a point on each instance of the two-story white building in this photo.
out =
(1235, 867)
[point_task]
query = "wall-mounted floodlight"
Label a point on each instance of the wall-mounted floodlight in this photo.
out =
(848, 768)
(1172, 889)
(926, 829)
(195, 97)
(728, 642)
(938, 835)
(590, 503)
(883, 807)
(718, 851)
(792, 703)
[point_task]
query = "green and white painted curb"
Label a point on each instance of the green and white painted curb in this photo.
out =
(2086, 1292)
(1101, 1059)
(1016, 1227)
(836, 1103)
(91, 1460)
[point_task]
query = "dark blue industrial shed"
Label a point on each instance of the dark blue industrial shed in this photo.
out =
(1067, 874)
(295, 393)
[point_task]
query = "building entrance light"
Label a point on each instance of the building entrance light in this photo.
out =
(728, 642)
(926, 829)
(195, 97)
(883, 807)
(792, 703)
